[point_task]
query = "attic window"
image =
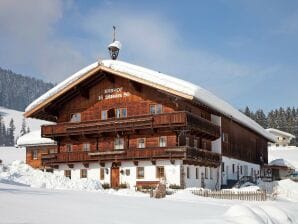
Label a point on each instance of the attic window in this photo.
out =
(155, 109)
(75, 117)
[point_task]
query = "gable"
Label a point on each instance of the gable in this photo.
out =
(150, 78)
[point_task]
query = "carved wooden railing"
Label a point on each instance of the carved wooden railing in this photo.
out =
(186, 153)
(174, 119)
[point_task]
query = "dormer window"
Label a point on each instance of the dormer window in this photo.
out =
(155, 109)
(75, 117)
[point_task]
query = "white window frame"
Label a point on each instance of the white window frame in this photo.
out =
(119, 143)
(163, 143)
(141, 145)
(86, 147)
(104, 115)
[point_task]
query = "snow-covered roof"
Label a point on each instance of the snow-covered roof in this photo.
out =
(281, 162)
(34, 138)
(279, 132)
(161, 81)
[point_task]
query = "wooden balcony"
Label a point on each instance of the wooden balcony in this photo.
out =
(180, 119)
(193, 155)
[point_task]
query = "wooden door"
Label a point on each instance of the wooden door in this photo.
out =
(115, 177)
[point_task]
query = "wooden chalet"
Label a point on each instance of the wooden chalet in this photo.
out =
(127, 125)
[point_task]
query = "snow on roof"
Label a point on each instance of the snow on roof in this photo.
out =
(34, 138)
(115, 44)
(160, 80)
(61, 86)
(279, 132)
(282, 162)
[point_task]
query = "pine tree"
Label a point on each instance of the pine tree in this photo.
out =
(10, 133)
(23, 128)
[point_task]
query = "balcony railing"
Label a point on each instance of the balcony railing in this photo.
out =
(185, 153)
(174, 119)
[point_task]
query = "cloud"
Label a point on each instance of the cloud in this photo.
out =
(32, 40)
(29, 39)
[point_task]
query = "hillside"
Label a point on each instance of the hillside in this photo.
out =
(17, 91)
(7, 114)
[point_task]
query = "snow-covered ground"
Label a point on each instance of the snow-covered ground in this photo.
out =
(31, 196)
(33, 124)
(289, 154)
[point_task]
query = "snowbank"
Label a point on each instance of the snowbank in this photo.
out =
(21, 173)
(243, 214)
(287, 189)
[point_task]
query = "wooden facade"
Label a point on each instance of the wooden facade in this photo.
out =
(182, 123)
(35, 154)
(110, 119)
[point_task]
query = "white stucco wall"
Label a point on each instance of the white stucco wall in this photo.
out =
(246, 169)
(172, 171)
(210, 182)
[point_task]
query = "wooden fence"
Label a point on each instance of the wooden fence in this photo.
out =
(233, 195)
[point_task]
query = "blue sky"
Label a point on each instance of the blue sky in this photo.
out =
(244, 51)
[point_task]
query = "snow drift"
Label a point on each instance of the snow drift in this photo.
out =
(20, 173)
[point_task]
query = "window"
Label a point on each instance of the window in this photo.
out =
(163, 141)
(225, 137)
(51, 151)
(121, 112)
(69, 148)
(233, 168)
(187, 172)
(86, 147)
(67, 173)
(127, 172)
(197, 173)
(118, 113)
(102, 173)
(119, 143)
(195, 143)
(104, 115)
(158, 109)
(75, 117)
(160, 172)
(141, 143)
(241, 170)
(152, 109)
(187, 141)
(222, 167)
(140, 173)
(83, 173)
(206, 173)
(34, 154)
(155, 109)
(211, 173)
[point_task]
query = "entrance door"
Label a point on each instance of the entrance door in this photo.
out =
(115, 177)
